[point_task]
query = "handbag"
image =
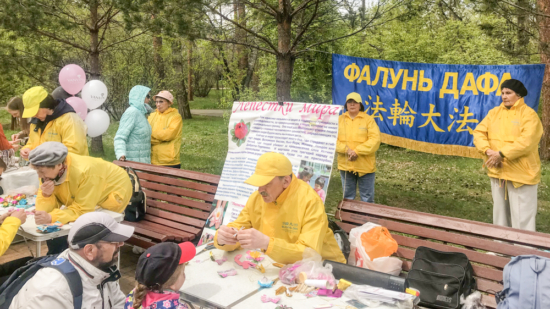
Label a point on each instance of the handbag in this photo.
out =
(137, 207)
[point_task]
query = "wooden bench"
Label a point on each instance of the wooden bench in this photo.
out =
(412, 229)
(178, 203)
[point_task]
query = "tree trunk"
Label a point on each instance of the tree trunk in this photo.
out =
(181, 91)
(240, 36)
(190, 71)
(285, 58)
(97, 142)
(523, 35)
(544, 30)
(159, 63)
(250, 69)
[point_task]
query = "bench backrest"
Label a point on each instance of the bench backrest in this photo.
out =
(412, 229)
(176, 198)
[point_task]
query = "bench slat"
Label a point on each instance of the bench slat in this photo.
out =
(175, 217)
(496, 261)
(176, 225)
(148, 233)
(201, 215)
(489, 301)
(209, 178)
(140, 242)
(177, 182)
(177, 200)
(178, 191)
(178, 234)
(457, 224)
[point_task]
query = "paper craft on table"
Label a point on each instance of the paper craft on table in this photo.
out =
(266, 299)
(227, 273)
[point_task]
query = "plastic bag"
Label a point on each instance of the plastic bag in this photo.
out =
(377, 242)
(359, 257)
(311, 265)
(375, 297)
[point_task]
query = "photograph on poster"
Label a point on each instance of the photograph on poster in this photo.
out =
(214, 221)
(317, 175)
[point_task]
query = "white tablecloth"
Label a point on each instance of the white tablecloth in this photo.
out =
(15, 179)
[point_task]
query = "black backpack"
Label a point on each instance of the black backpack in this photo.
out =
(17, 280)
(135, 211)
(341, 238)
(441, 277)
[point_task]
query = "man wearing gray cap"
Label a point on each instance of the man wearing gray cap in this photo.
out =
(95, 240)
(78, 182)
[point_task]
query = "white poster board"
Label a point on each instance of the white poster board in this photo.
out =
(305, 133)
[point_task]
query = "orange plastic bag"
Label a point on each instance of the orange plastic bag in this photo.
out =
(378, 242)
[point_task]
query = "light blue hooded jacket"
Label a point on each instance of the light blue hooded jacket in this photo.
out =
(133, 138)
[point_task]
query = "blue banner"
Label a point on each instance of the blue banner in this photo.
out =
(429, 107)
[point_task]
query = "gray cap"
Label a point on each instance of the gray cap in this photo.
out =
(48, 153)
(95, 226)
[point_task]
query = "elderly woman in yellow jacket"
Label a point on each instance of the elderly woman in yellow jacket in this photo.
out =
(509, 137)
(166, 124)
(358, 141)
(77, 182)
(53, 120)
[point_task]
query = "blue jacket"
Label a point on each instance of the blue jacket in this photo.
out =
(133, 138)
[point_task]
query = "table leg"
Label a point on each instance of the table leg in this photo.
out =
(38, 247)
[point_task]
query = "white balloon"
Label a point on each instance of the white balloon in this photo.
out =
(94, 93)
(97, 122)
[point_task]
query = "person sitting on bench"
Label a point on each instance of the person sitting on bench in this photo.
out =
(282, 218)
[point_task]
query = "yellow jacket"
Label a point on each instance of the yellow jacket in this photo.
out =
(296, 220)
(515, 132)
(362, 135)
(90, 182)
(7, 233)
(166, 137)
(68, 129)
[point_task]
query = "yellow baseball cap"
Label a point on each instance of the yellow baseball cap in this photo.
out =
(355, 97)
(32, 99)
(269, 166)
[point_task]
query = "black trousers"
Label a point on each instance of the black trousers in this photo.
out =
(57, 245)
(173, 166)
(8, 268)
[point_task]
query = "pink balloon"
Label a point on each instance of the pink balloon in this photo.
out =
(72, 78)
(79, 106)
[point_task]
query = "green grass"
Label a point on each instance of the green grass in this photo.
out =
(444, 185)
(210, 102)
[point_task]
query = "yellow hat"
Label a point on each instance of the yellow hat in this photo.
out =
(355, 97)
(32, 99)
(269, 166)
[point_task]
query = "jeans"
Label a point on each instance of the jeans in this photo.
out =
(366, 186)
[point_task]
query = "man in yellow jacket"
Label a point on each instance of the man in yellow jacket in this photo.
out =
(509, 137)
(282, 218)
(79, 183)
(53, 120)
(358, 141)
(166, 124)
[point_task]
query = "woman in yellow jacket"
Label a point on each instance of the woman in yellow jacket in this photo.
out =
(358, 141)
(166, 124)
(509, 137)
(53, 120)
(77, 182)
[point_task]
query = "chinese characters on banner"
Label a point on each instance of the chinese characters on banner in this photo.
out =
(429, 107)
(305, 133)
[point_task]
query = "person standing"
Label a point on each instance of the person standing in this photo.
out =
(53, 120)
(16, 108)
(133, 137)
(509, 137)
(166, 124)
(358, 141)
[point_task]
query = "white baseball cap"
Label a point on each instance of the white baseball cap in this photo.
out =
(95, 226)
